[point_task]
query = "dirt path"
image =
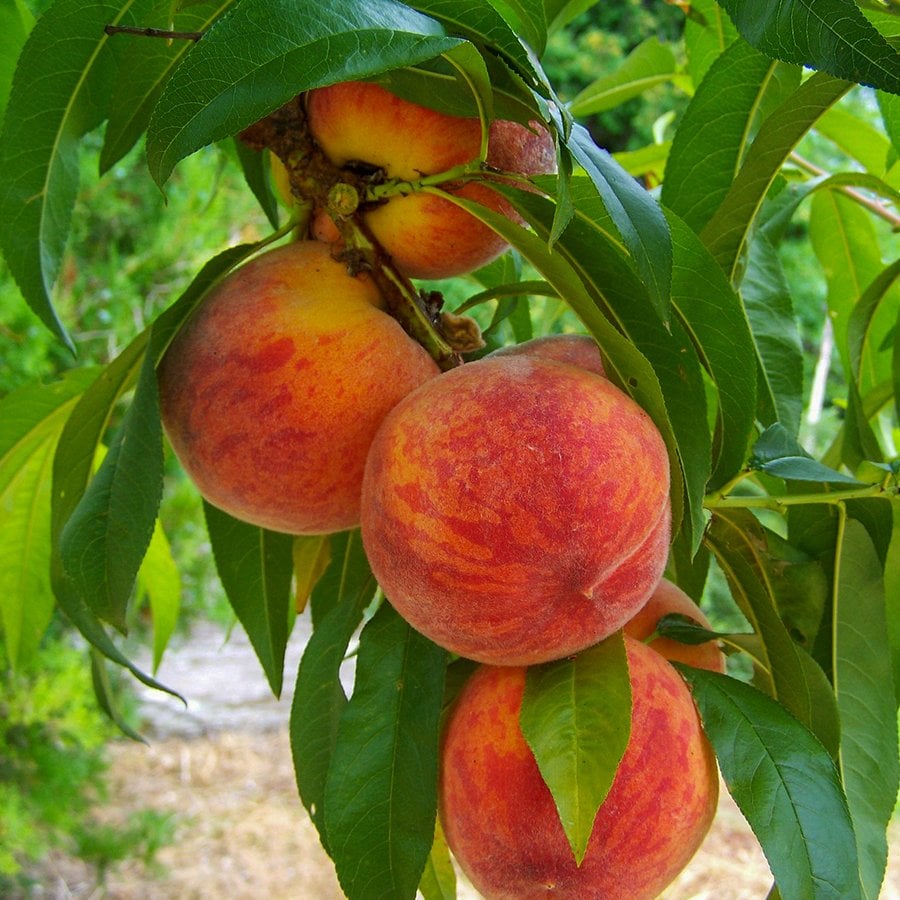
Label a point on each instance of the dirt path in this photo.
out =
(223, 770)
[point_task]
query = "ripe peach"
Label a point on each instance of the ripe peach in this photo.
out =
(575, 349)
(426, 236)
(502, 825)
(272, 392)
(669, 598)
(516, 509)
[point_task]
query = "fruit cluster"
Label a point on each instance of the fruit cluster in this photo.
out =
(515, 509)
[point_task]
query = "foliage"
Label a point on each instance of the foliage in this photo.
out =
(53, 762)
(685, 291)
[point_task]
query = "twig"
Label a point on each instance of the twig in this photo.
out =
(872, 205)
(153, 32)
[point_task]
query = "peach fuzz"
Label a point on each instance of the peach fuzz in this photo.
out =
(516, 509)
(669, 598)
(500, 819)
(575, 349)
(273, 390)
(426, 236)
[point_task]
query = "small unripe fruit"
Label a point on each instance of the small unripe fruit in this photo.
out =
(273, 390)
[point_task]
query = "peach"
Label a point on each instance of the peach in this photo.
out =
(273, 390)
(427, 236)
(575, 349)
(500, 819)
(669, 598)
(516, 509)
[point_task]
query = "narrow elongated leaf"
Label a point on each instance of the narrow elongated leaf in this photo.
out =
(144, 67)
(243, 69)
(105, 539)
(31, 420)
(106, 699)
(527, 19)
(889, 104)
(54, 100)
(712, 313)
(770, 311)
(712, 136)
(867, 705)
(831, 35)
(726, 233)
(635, 213)
(256, 166)
(256, 568)
(576, 717)
(708, 32)
(319, 699)
(786, 785)
(158, 578)
(380, 797)
(16, 20)
(857, 137)
(481, 22)
(439, 878)
(757, 577)
(846, 244)
(651, 63)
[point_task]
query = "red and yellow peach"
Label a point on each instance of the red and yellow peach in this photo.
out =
(426, 236)
(500, 819)
(272, 392)
(516, 509)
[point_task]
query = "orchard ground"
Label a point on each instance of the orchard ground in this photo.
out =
(222, 768)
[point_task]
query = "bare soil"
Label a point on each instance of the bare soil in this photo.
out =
(241, 830)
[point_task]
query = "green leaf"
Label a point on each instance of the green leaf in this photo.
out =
(526, 18)
(16, 21)
(636, 215)
(57, 95)
(312, 556)
(256, 568)
(380, 797)
(337, 605)
(831, 35)
(786, 785)
(713, 134)
(778, 453)
(104, 540)
(481, 22)
(857, 137)
(712, 313)
(244, 69)
(845, 242)
(439, 878)
(256, 167)
(650, 63)
(31, 420)
(144, 67)
(770, 311)
(756, 571)
(889, 104)
(867, 705)
(158, 578)
(708, 32)
(576, 718)
(726, 232)
(105, 695)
